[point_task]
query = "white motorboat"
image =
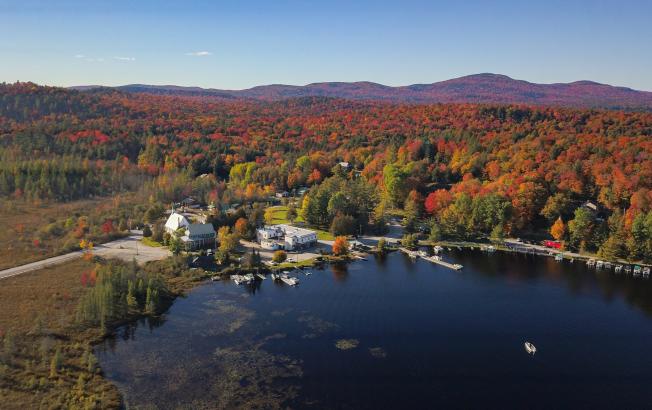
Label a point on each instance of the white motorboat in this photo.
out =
(290, 280)
(530, 348)
(276, 276)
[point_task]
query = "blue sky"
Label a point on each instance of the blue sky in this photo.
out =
(240, 44)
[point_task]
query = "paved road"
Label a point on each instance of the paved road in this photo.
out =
(125, 248)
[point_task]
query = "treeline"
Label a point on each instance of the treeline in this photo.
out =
(66, 178)
(117, 291)
(344, 206)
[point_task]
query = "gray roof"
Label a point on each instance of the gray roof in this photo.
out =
(200, 229)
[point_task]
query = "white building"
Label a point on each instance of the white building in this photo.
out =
(198, 236)
(285, 237)
(175, 222)
(195, 236)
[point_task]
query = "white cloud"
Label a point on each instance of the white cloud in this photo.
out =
(89, 59)
(199, 53)
(125, 58)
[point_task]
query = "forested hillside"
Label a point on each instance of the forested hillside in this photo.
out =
(464, 170)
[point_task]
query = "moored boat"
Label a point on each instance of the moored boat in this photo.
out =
(530, 348)
(289, 280)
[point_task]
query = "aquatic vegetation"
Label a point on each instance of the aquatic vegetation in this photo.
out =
(378, 352)
(347, 344)
(251, 377)
(316, 325)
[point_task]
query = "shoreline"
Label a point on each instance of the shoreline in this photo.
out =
(535, 250)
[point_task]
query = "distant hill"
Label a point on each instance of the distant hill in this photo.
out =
(478, 88)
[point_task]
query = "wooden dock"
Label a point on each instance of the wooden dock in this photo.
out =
(415, 254)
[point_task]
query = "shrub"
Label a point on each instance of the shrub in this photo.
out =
(340, 246)
(279, 256)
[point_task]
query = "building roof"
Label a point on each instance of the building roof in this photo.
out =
(176, 221)
(200, 229)
(290, 230)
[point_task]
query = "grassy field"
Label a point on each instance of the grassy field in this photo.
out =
(34, 232)
(280, 217)
(151, 242)
(46, 358)
(37, 326)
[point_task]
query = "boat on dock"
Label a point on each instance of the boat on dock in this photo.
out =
(637, 270)
(276, 276)
(559, 257)
(530, 348)
(436, 249)
(590, 262)
(599, 264)
(607, 265)
(261, 276)
(618, 268)
(411, 254)
(628, 269)
(289, 280)
(242, 279)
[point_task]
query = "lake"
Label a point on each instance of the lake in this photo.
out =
(395, 333)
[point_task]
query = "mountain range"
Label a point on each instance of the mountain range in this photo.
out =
(478, 88)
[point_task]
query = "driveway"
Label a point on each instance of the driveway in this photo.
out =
(125, 248)
(266, 254)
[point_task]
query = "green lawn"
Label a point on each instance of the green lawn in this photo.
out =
(280, 214)
(151, 242)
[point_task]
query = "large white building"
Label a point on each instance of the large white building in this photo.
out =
(198, 236)
(285, 237)
(195, 236)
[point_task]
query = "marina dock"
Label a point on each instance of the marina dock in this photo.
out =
(438, 261)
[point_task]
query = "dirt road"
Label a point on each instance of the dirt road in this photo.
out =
(125, 248)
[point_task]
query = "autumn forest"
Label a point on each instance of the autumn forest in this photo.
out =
(450, 171)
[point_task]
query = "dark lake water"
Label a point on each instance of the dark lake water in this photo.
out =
(396, 333)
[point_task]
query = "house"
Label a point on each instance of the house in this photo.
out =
(298, 238)
(175, 222)
(590, 206)
(282, 194)
(269, 232)
(302, 191)
(345, 165)
(596, 211)
(198, 236)
(285, 237)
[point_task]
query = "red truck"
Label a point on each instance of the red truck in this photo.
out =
(552, 244)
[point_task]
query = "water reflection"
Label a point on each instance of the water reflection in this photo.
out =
(396, 332)
(340, 271)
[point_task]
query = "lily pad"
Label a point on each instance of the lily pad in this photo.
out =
(347, 344)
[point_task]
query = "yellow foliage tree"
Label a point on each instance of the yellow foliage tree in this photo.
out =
(558, 229)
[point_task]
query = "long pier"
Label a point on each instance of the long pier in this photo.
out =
(415, 254)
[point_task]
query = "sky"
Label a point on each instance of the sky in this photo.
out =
(240, 44)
